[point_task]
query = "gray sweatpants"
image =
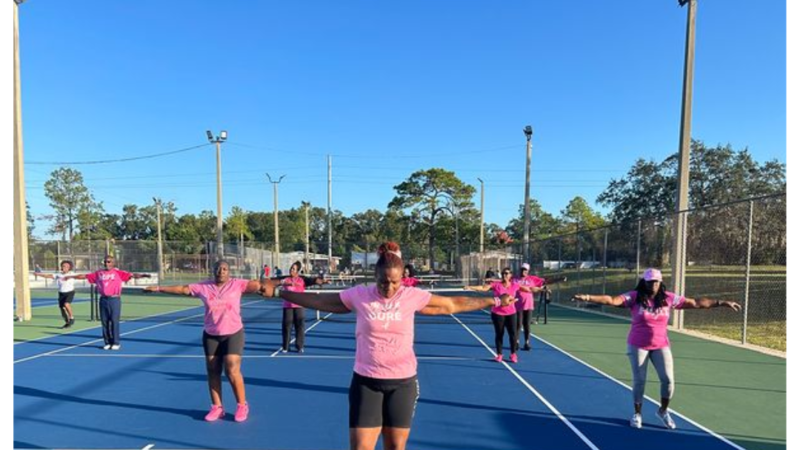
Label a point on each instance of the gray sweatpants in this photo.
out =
(662, 361)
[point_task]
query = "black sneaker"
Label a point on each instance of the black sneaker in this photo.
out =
(527, 347)
(66, 325)
(71, 321)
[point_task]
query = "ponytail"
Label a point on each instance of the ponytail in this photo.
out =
(389, 256)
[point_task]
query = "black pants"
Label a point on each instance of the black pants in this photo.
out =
(524, 322)
(507, 323)
(294, 317)
(110, 311)
(376, 402)
(63, 299)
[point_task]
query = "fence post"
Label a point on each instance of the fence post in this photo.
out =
(558, 285)
(605, 259)
(638, 249)
(747, 275)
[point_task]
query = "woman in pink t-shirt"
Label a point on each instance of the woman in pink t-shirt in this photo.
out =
(504, 318)
(294, 315)
(223, 333)
(384, 388)
(408, 276)
(650, 306)
(525, 303)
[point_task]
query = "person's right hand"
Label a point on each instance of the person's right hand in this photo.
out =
(578, 297)
(149, 289)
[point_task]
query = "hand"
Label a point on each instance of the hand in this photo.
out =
(579, 297)
(507, 301)
(732, 305)
(149, 289)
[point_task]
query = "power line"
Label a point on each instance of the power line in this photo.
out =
(109, 161)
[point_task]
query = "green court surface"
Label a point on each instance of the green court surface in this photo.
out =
(737, 392)
(47, 319)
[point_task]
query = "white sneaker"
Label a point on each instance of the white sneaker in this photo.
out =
(666, 419)
(636, 421)
(107, 347)
(115, 347)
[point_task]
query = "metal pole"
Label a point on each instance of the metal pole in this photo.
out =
(605, 260)
(160, 245)
(558, 285)
(747, 275)
(482, 232)
(220, 245)
(638, 247)
(22, 290)
(308, 243)
(682, 203)
(330, 226)
(275, 218)
(526, 220)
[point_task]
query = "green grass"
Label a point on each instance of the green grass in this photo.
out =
(736, 392)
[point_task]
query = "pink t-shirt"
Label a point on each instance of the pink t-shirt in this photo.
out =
(499, 289)
(410, 282)
(109, 282)
(223, 314)
(649, 325)
(385, 330)
(297, 284)
(525, 302)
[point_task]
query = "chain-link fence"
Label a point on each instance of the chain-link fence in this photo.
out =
(734, 252)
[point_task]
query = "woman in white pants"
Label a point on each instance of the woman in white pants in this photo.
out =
(650, 306)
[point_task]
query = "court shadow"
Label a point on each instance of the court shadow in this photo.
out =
(57, 397)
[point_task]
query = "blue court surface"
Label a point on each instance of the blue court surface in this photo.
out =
(69, 393)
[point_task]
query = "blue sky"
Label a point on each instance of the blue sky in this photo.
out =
(387, 89)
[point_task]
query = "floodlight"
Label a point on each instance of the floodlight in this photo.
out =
(223, 135)
(210, 135)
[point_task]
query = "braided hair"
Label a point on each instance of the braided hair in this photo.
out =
(643, 293)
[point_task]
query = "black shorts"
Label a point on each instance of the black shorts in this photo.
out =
(65, 297)
(382, 403)
(229, 344)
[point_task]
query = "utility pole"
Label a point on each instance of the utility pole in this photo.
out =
(277, 249)
(330, 221)
(223, 135)
(682, 200)
(526, 227)
(22, 290)
(160, 245)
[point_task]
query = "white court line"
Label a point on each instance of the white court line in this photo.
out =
(123, 334)
(552, 408)
(319, 321)
(720, 437)
(99, 326)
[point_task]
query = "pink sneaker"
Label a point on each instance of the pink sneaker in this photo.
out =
(216, 413)
(242, 410)
(514, 358)
(499, 357)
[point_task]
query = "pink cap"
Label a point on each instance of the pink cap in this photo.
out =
(652, 275)
(526, 266)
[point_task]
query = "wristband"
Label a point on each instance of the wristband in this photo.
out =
(497, 302)
(276, 291)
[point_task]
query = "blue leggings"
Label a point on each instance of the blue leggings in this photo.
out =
(110, 311)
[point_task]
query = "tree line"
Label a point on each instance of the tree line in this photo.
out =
(433, 213)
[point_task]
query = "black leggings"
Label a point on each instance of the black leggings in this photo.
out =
(509, 323)
(524, 322)
(296, 317)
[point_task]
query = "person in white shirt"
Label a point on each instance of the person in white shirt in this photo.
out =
(66, 291)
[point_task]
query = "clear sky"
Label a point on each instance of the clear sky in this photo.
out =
(387, 88)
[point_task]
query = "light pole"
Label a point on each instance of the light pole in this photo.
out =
(160, 245)
(682, 195)
(21, 286)
(218, 141)
(275, 217)
(526, 221)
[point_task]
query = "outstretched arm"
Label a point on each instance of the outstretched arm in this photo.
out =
(706, 303)
(328, 301)
(175, 290)
(554, 280)
(80, 276)
(140, 275)
(453, 305)
(44, 275)
(481, 288)
(618, 301)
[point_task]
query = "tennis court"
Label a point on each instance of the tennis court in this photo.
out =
(569, 392)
